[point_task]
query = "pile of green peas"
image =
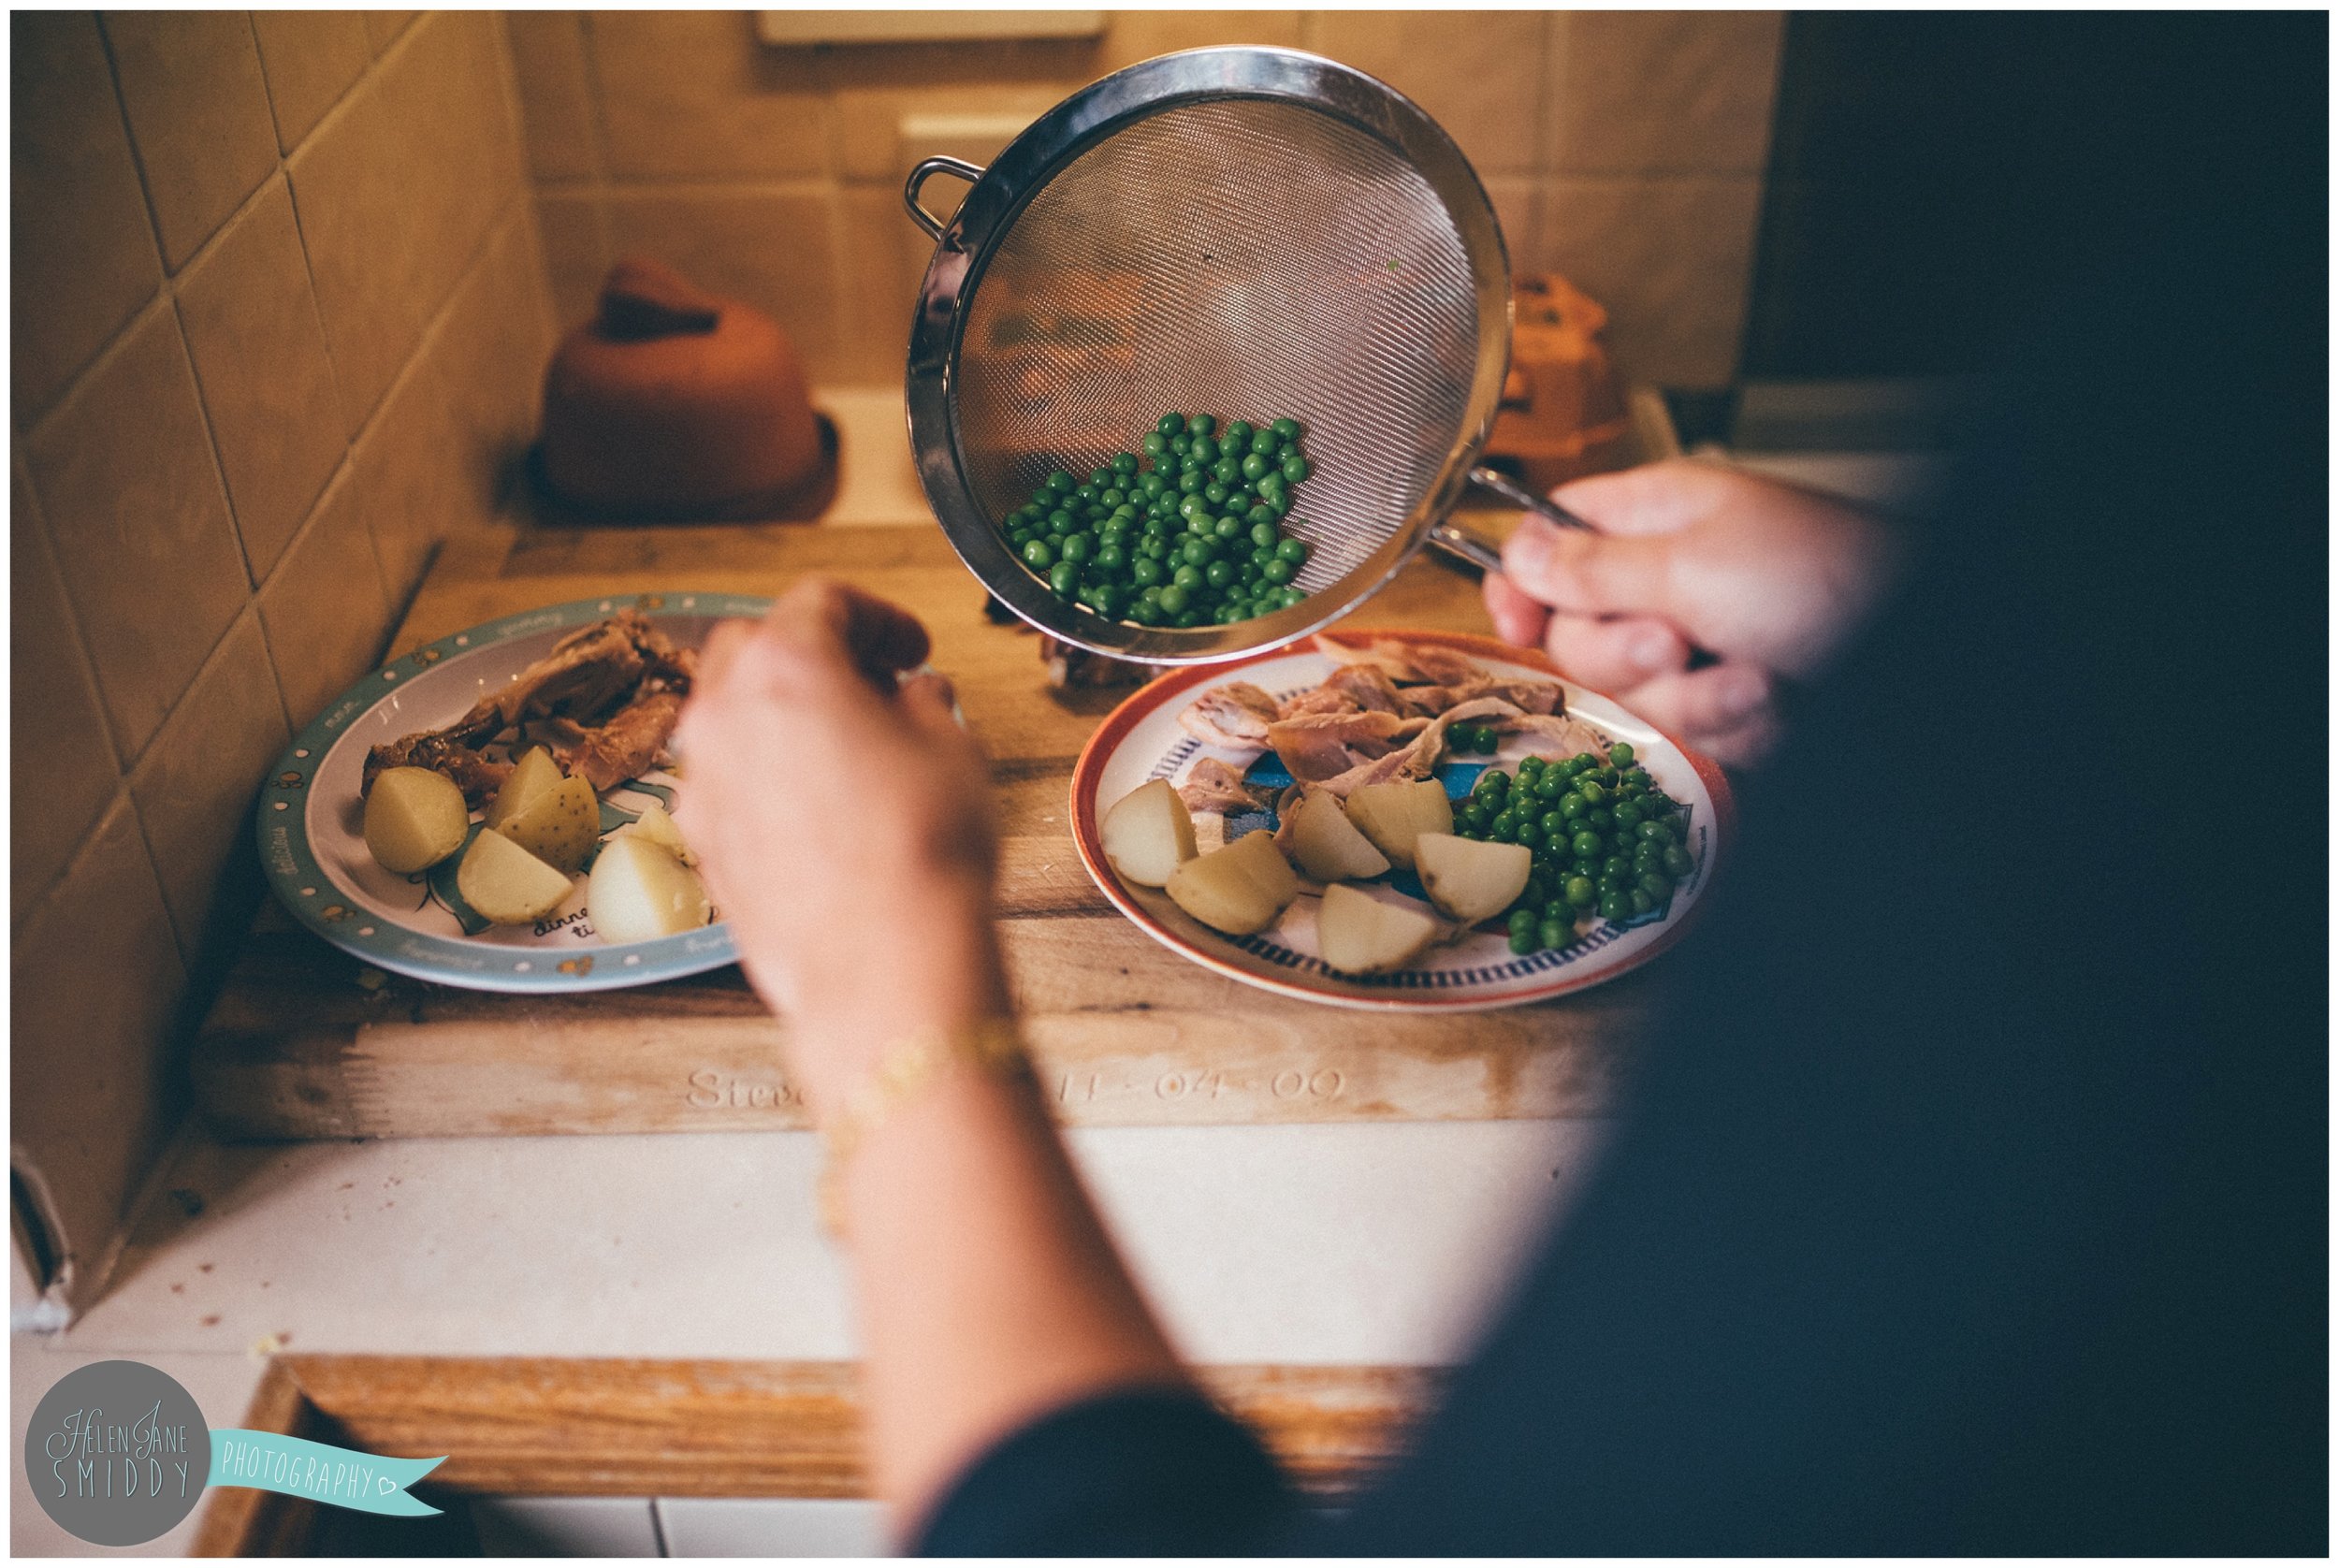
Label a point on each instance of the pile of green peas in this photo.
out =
(1608, 843)
(1192, 534)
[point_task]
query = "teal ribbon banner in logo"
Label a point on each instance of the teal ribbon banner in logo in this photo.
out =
(318, 1471)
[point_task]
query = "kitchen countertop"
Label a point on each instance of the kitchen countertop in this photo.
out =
(1380, 1243)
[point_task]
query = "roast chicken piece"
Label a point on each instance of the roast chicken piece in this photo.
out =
(606, 699)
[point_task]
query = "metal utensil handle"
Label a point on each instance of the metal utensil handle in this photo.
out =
(1460, 542)
(917, 182)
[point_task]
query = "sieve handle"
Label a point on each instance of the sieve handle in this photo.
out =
(1460, 542)
(917, 182)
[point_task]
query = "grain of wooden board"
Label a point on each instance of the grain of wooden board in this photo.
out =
(305, 1041)
(623, 1427)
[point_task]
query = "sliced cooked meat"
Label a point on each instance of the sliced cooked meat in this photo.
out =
(1235, 715)
(1390, 658)
(1531, 696)
(1321, 699)
(1319, 745)
(1366, 685)
(625, 748)
(593, 681)
(1442, 666)
(1401, 764)
(1216, 786)
(1558, 737)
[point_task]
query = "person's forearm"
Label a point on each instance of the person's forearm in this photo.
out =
(988, 1291)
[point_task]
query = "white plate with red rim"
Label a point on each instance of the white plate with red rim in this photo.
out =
(1142, 740)
(312, 818)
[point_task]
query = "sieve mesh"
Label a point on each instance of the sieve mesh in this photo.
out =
(1251, 258)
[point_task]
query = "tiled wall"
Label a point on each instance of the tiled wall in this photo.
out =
(278, 313)
(1624, 149)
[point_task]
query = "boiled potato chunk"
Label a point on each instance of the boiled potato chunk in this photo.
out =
(535, 774)
(1362, 936)
(658, 827)
(1238, 889)
(1394, 815)
(1471, 879)
(558, 826)
(506, 884)
(414, 819)
(1149, 833)
(639, 890)
(1328, 845)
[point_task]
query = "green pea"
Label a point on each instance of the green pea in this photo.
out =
(1285, 429)
(1295, 469)
(1600, 819)
(1617, 868)
(1581, 893)
(1060, 482)
(1171, 424)
(1659, 834)
(1265, 442)
(1263, 536)
(1146, 571)
(1292, 596)
(1678, 863)
(1078, 547)
(1038, 556)
(1277, 572)
(1525, 942)
(1642, 903)
(1201, 449)
(1294, 551)
(1173, 597)
(1594, 791)
(1585, 843)
(1621, 753)
(1551, 786)
(1227, 528)
(1201, 424)
(1253, 466)
(1112, 558)
(1188, 578)
(1616, 906)
(1557, 934)
(1656, 885)
(1190, 482)
(1226, 471)
(1065, 577)
(1261, 515)
(1217, 495)
(1504, 825)
(1237, 432)
(1218, 573)
(1526, 833)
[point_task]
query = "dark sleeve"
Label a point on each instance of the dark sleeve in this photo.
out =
(1152, 1472)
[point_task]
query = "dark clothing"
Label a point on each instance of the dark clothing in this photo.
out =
(1975, 1201)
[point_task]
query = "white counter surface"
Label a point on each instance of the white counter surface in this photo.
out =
(1374, 1244)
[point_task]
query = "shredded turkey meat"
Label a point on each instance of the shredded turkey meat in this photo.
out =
(1380, 715)
(1216, 786)
(605, 701)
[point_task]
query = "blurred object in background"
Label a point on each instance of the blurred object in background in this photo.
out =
(673, 405)
(1563, 411)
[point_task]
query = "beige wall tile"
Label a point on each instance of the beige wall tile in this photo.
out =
(196, 785)
(66, 768)
(889, 260)
(1479, 74)
(1662, 92)
(125, 478)
(349, 187)
(199, 110)
(693, 94)
(775, 251)
(869, 142)
(459, 146)
(311, 59)
(323, 611)
(259, 355)
(384, 28)
(94, 978)
(491, 351)
(1671, 259)
(1519, 207)
(413, 487)
(81, 251)
(1134, 35)
(556, 94)
(575, 241)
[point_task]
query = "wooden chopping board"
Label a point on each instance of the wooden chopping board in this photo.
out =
(307, 1041)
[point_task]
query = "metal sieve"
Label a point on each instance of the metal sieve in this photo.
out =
(1254, 233)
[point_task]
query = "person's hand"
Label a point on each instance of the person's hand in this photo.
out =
(1760, 581)
(844, 821)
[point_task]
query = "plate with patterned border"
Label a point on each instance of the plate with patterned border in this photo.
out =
(312, 820)
(1142, 740)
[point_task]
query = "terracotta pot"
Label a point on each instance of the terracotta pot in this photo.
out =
(672, 403)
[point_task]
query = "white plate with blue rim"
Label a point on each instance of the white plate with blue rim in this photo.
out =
(1142, 740)
(312, 819)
